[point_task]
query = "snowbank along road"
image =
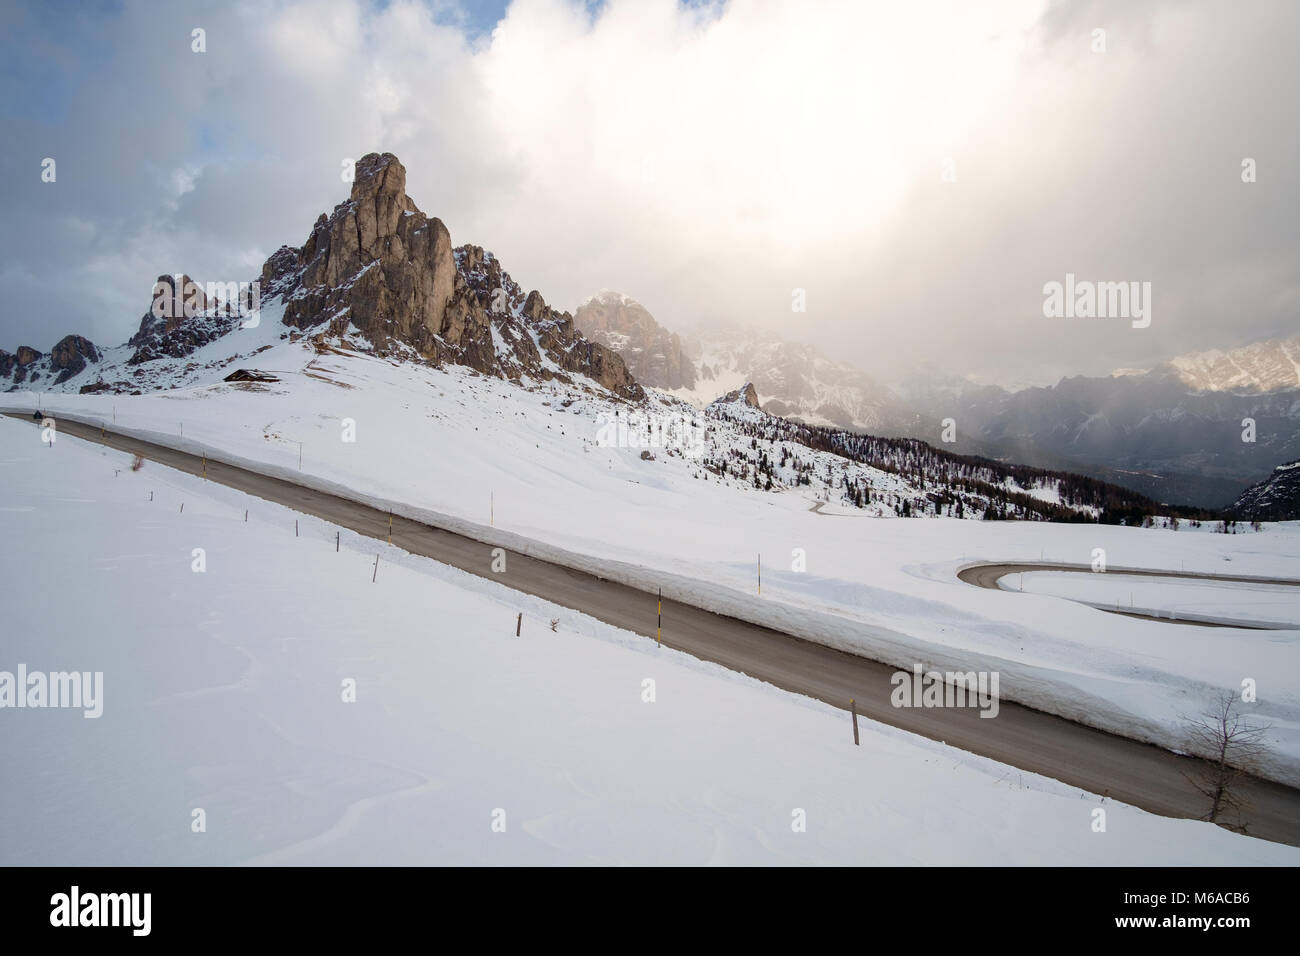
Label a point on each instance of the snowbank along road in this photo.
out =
(1136, 773)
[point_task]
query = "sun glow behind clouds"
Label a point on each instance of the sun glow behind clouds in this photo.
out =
(791, 124)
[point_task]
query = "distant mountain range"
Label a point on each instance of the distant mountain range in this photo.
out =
(1269, 366)
(377, 279)
(1173, 432)
(1196, 430)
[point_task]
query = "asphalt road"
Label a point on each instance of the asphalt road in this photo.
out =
(1122, 769)
(988, 575)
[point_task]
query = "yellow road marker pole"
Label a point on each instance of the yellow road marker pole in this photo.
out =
(659, 628)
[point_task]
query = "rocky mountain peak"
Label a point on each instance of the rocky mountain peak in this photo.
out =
(655, 355)
(747, 395)
(379, 197)
(17, 362)
(378, 174)
(375, 269)
(379, 265)
(180, 319)
(69, 356)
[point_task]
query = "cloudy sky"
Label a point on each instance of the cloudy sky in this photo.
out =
(706, 159)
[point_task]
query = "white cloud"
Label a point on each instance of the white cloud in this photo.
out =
(709, 160)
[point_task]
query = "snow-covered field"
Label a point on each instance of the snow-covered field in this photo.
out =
(1185, 598)
(223, 691)
(519, 467)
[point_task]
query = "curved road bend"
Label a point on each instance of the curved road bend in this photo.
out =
(988, 575)
(1136, 773)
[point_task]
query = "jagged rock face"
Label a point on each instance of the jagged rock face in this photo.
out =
(170, 305)
(532, 332)
(379, 265)
(69, 356)
(18, 363)
(376, 263)
(180, 319)
(652, 353)
(486, 297)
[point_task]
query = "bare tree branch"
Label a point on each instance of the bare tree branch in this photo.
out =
(1232, 750)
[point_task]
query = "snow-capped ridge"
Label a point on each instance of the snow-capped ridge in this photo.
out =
(1266, 366)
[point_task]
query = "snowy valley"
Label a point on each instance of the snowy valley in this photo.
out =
(386, 366)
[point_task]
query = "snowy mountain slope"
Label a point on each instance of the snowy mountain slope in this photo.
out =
(539, 468)
(879, 479)
(1276, 498)
(925, 481)
(221, 695)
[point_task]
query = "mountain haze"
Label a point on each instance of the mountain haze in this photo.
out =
(791, 379)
